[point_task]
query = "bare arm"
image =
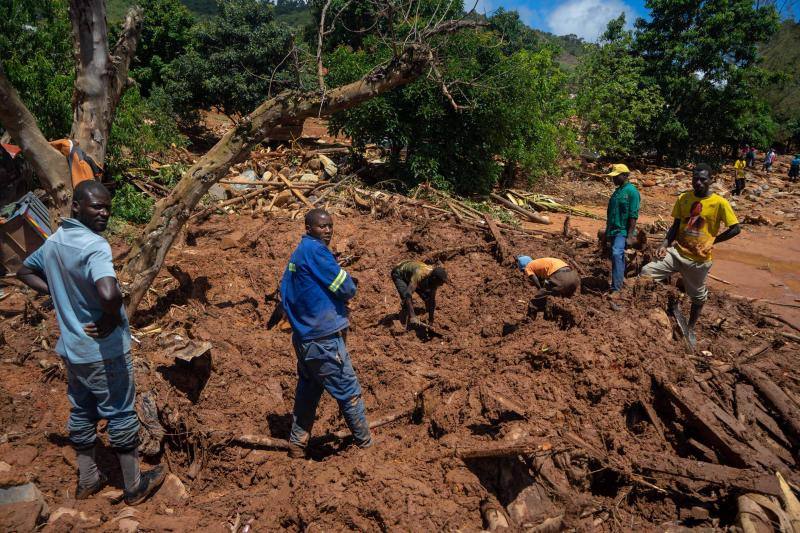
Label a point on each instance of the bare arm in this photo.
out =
(110, 303)
(631, 238)
(729, 233)
(33, 279)
(671, 234)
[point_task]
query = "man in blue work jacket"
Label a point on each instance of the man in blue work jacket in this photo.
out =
(314, 292)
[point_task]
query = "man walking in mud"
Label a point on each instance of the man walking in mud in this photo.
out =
(621, 217)
(697, 216)
(74, 266)
(315, 291)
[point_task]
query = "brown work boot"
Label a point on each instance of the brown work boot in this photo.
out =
(296, 451)
(82, 493)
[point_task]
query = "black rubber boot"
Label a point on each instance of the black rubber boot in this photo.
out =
(149, 483)
(82, 493)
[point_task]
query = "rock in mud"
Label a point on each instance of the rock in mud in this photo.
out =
(172, 491)
(66, 519)
(22, 507)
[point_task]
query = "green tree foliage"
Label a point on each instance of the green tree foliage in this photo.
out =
(703, 55)
(166, 34)
(782, 56)
(615, 100)
(511, 107)
(36, 51)
(239, 58)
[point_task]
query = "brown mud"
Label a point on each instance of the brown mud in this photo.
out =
(579, 383)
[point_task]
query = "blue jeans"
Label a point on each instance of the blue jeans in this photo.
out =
(617, 262)
(103, 390)
(324, 364)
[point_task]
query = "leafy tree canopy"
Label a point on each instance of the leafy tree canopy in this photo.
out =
(239, 57)
(615, 100)
(703, 56)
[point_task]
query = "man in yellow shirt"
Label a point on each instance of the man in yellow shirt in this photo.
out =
(687, 247)
(552, 276)
(738, 177)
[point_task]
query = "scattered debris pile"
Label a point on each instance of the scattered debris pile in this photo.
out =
(587, 416)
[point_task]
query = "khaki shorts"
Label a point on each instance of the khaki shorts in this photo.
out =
(693, 273)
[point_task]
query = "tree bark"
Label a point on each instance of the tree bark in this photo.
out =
(100, 78)
(149, 251)
(47, 162)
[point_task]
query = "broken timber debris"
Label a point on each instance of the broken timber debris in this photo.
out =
(782, 404)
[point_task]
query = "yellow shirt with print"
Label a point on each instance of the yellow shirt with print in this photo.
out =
(739, 165)
(700, 220)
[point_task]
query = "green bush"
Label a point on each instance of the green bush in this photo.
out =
(514, 111)
(36, 53)
(142, 126)
(130, 204)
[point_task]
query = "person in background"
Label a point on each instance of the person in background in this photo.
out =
(738, 177)
(750, 158)
(411, 277)
(769, 158)
(794, 168)
(622, 214)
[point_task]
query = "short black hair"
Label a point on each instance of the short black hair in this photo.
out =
(439, 273)
(87, 187)
(699, 167)
(312, 215)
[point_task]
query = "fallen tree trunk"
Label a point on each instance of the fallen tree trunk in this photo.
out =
(47, 162)
(171, 213)
(782, 404)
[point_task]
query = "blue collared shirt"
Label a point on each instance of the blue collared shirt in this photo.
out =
(72, 260)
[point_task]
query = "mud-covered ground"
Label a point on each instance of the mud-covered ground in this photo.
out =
(496, 375)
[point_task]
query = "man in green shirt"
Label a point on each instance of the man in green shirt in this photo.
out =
(623, 210)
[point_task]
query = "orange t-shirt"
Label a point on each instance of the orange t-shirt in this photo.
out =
(544, 267)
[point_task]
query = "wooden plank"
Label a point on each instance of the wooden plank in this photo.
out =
(739, 478)
(502, 248)
(503, 449)
(708, 417)
(778, 399)
(300, 196)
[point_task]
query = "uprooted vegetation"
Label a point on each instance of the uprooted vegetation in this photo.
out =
(583, 417)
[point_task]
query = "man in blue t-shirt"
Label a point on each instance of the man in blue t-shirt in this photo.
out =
(315, 291)
(74, 266)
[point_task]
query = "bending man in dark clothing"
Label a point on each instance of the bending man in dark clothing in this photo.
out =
(74, 266)
(415, 276)
(315, 291)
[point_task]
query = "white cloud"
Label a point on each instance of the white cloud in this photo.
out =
(587, 18)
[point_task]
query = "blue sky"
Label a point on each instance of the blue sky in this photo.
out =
(584, 18)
